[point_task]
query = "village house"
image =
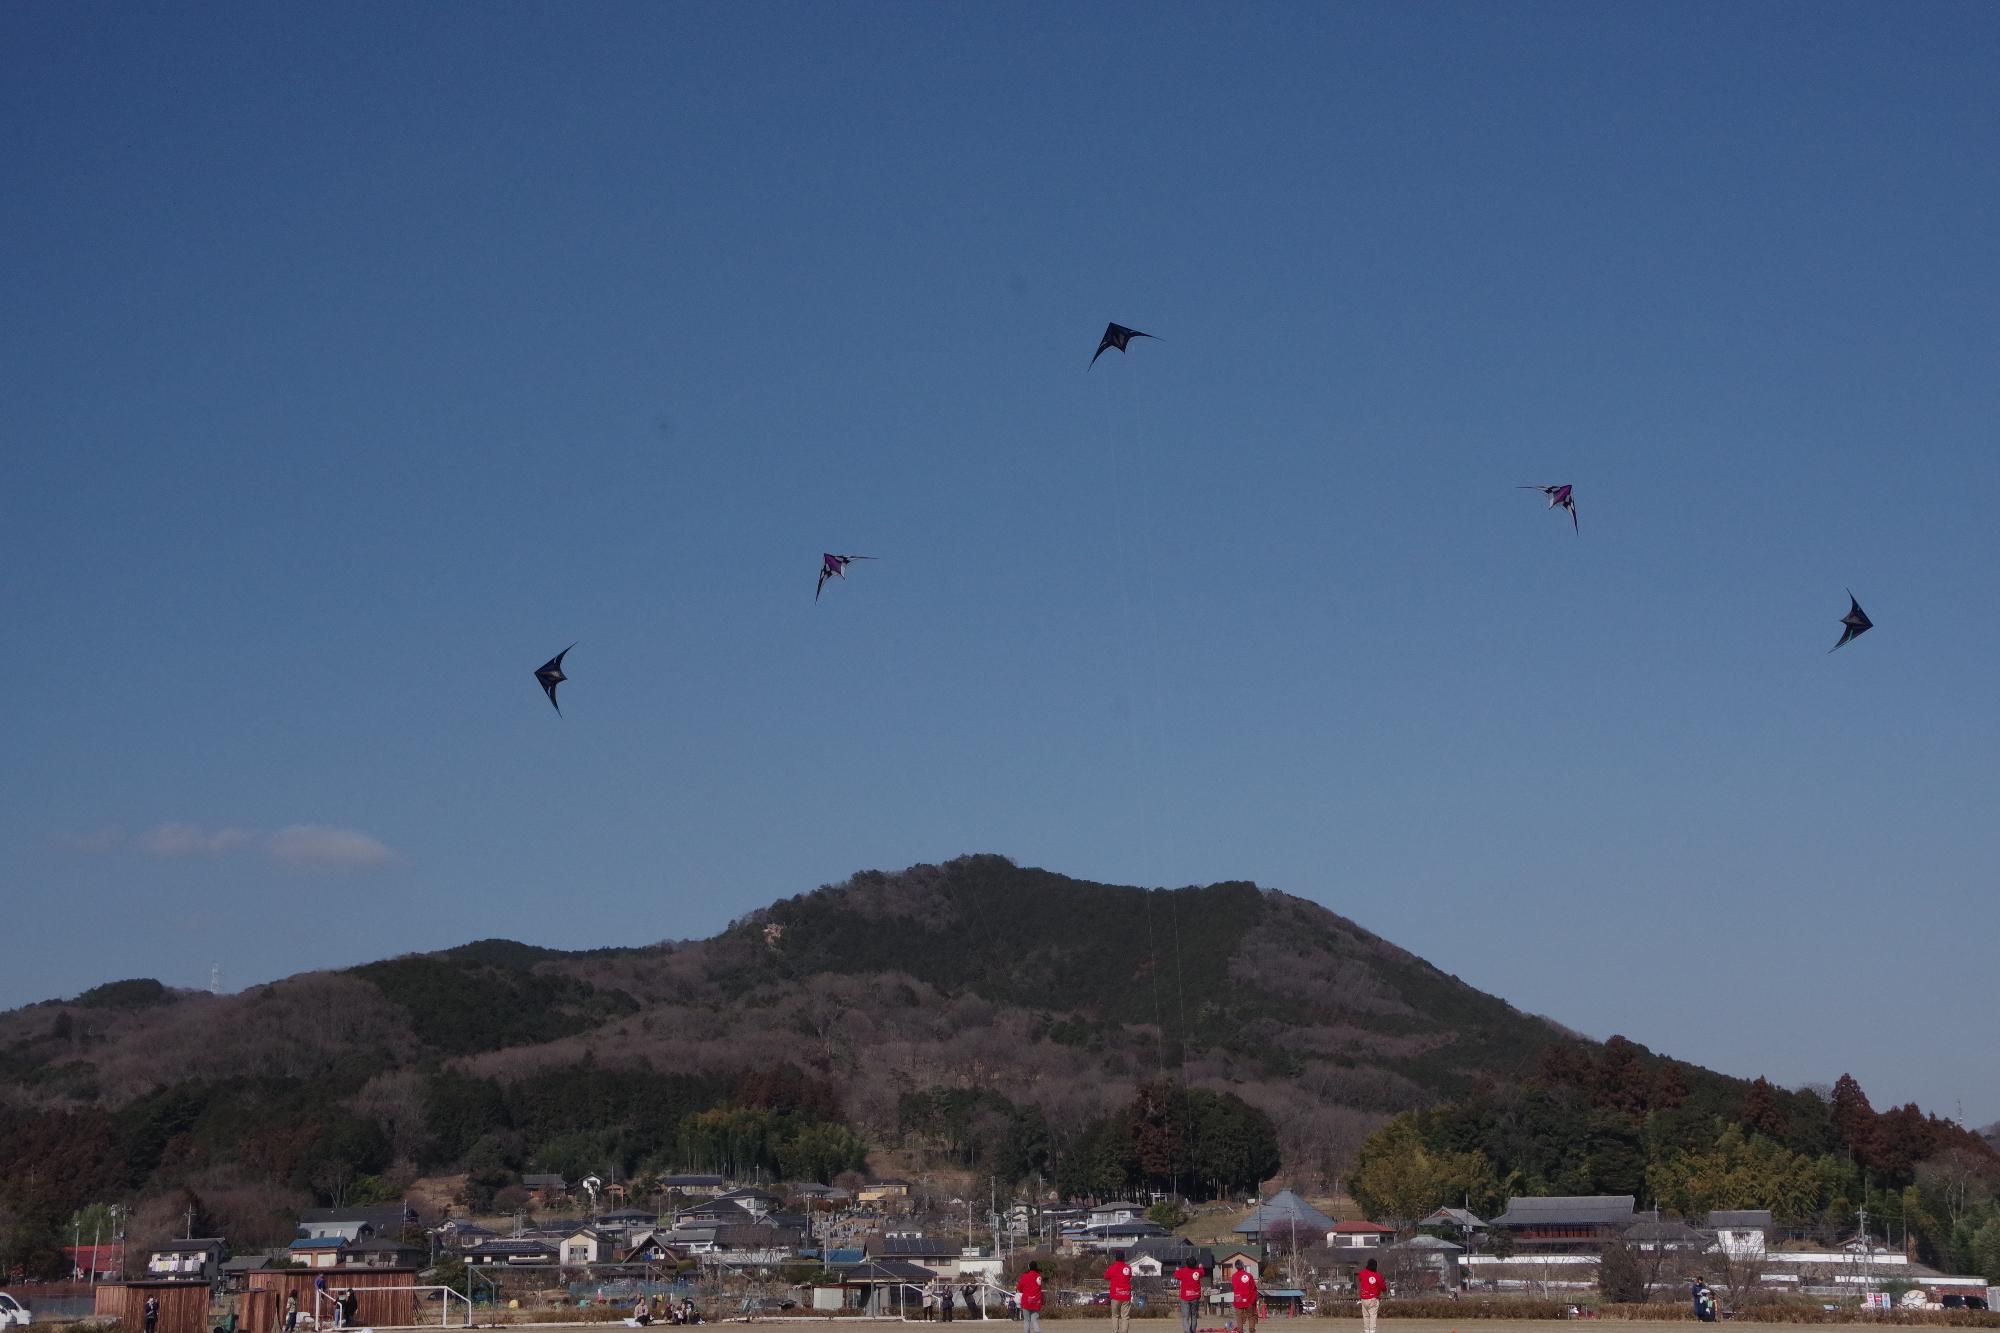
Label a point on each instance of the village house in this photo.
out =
(1107, 1214)
(92, 1263)
(546, 1190)
(1285, 1215)
(755, 1245)
(938, 1258)
(514, 1251)
(1358, 1234)
(1668, 1235)
(316, 1251)
(689, 1239)
(187, 1259)
(383, 1252)
(1565, 1223)
(885, 1193)
(707, 1186)
(713, 1213)
(1156, 1256)
(1428, 1261)
(589, 1245)
(755, 1202)
(1741, 1233)
(1458, 1224)
(356, 1223)
(1122, 1235)
(649, 1247)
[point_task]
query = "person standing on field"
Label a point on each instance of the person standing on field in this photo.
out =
(1190, 1279)
(1029, 1288)
(1369, 1285)
(1243, 1295)
(1119, 1277)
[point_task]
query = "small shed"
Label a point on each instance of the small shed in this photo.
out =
(388, 1297)
(183, 1305)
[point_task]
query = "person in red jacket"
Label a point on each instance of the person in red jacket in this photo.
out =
(1190, 1279)
(1119, 1277)
(1028, 1289)
(1243, 1295)
(1368, 1284)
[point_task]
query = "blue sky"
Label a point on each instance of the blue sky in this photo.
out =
(357, 358)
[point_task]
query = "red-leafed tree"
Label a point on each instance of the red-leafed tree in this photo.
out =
(1763, 1113)
(1854, 1119)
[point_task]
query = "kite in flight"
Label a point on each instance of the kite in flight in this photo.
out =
(550, 673)
(1559, 498)
(834, 567)
(1856, 620)
(1115, 335)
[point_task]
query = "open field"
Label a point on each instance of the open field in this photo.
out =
(1327, 1325)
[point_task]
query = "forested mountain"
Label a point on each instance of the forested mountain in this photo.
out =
(975, 1014)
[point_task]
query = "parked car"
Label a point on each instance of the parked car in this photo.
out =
(13, 1314)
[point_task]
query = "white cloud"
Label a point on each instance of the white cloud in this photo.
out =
(107, 839)
(183, 840)
(319, 847)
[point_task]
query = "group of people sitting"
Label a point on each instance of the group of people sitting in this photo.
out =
(684, 1313)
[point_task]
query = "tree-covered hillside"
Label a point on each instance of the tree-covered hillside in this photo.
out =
(975, 1016)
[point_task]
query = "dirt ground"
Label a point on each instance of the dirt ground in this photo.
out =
(1291, 1325)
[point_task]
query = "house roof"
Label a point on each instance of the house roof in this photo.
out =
(1130, 1230)
(1434, 1244)
(720, 1210)
(1671, 1231)
(887, 1270)
(383, 1245)
(535, 1182)
(846, 1255)
(1740, 1219)
(598, 1234)
(246, 1263)
(1117, 1206)
(1361, 1227)
(1453, 1217)
(1545, 1210)
(910, 1247)
(1285, 1208)
(521, 1246)
(391, 1217)
(107, 1252)
(199, 1245)
(748, 1193)
(1172, 1250)
(319, 1243)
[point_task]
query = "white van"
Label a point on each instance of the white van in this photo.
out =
(13, 1314)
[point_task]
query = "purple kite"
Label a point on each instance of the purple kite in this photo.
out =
(834, 567)
(1856, 620)
(1559, 498)
(1115, 335)
(550, 674)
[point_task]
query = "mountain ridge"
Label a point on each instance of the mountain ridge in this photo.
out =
(974, 973)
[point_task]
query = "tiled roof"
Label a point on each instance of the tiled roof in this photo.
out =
(1284, 1208)
(1566, 1210)
(1740, 1219)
